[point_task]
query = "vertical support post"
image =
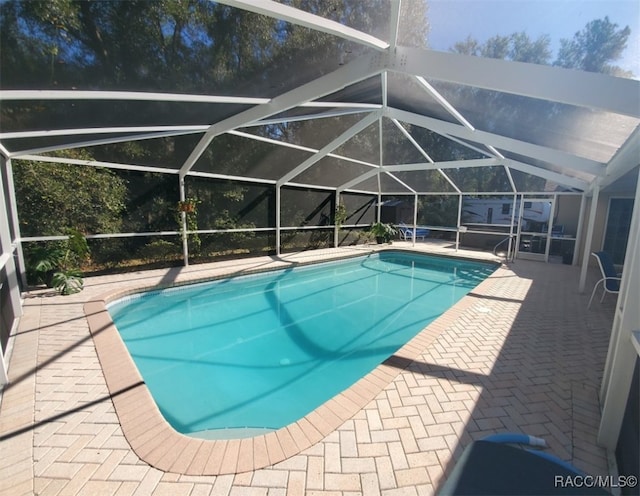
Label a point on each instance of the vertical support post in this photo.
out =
(183, 215)
(511, 249)
(552, 209)
(576, 246)
(383, 82)
(278, 200)
(10, 270)
(335, 225)
(415, 218)
(589, 237)
(15, 222)
(459, 221)
(519, 229)
(622, 355)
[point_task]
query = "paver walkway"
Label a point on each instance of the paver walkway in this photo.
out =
(521, 353)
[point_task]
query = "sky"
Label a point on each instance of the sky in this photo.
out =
(453, 20)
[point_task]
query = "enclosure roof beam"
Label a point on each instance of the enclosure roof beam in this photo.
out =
(103, 141)
(96, 163)
(317, 23)
(555, 84)
(399, 181)
(444, 102)
(357, 70)
(394, 23)
(563, 180)
(407, 134)
(126, 95)
(298, 147)
(562, 159)
(144, 96)
(102, 130)
(625, 159)
(454, 164)
(324, 151)
(359, 179)
(308, 117)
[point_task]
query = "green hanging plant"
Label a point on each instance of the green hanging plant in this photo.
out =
(340, 215)
(189, 207)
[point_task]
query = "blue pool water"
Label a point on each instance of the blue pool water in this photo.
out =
(262, 351)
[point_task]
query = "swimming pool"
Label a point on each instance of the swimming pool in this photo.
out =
(245, 355)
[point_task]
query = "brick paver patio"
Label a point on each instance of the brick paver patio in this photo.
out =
(519, 353)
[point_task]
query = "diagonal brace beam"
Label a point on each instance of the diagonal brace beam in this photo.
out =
(346, 75)
(323, 152)
(306, 19)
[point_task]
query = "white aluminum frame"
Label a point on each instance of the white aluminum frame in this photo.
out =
(589, 90)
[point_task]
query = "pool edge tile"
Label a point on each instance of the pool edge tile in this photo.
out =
(155, 442)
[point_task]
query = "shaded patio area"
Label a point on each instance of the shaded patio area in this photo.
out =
(519, 353)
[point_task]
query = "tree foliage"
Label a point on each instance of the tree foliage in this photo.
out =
(595, 48)
(53, 198)
(189, 46)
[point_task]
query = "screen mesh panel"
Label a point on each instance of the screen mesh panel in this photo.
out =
(231, 204)
(425, 181)
(480, 179)
(306, 207)
(360, 208)
(238, 156)
(314, 133)
(331, 171)
(584, 132)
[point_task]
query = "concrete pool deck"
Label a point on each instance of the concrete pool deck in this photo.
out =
(519, 353)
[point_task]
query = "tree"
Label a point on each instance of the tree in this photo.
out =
(53, 198)
(517, 47)
(595, 47)
(592, 49)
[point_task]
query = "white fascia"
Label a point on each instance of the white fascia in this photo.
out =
(295, 16)
(357, 70)
(560, 158)
(584, 89)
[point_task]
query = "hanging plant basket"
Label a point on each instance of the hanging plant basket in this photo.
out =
(187, 206)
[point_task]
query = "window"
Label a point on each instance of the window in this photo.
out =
(506, 208)
(617, 231)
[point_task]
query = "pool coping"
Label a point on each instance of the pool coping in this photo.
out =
(155, 442)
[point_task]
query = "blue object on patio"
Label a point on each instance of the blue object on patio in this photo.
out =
(406, 232)
(493, 466)
(610, 277)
